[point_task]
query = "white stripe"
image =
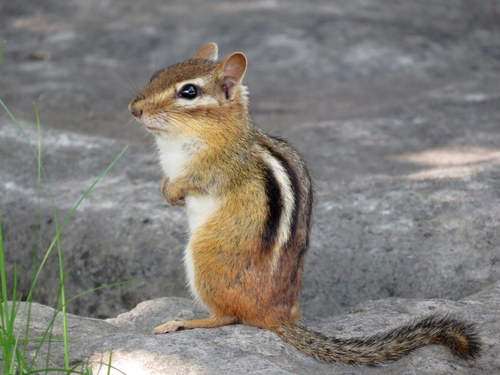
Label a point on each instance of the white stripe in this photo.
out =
(200, 82)
(288, 202)
(204, 99)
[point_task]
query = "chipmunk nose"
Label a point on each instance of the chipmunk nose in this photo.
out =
(137, 112)
(135, 107)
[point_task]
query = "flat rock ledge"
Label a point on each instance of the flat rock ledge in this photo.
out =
(242, 349)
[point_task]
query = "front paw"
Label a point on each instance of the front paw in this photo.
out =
(170, 326)
(164, 184)
(173, 193)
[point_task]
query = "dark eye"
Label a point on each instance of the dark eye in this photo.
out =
(188, 91)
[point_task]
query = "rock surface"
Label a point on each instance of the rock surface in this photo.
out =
(394, 104)
(395, 107)
(247, 350)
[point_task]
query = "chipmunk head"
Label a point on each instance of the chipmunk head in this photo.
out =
(194, 96)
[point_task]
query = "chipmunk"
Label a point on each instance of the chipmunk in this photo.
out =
(248, 198)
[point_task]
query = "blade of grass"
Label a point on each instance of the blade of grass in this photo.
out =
(41, 338)
(55, 242)
(10, 326)
(13, 363)
(59, 229)
(68, 217)
(51, 370)
(11, 355)
(19, 127)
(72, 212)
(63, 294)
(83, 196)
(5, 336)
(3, 281)
(36, 245)
(110, 360)
(40, 173)
(2, 46)
(45, 338)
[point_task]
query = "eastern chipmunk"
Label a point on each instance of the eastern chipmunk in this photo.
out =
(248, 198)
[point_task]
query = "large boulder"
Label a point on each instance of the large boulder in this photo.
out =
(245, 350)
(394, 107)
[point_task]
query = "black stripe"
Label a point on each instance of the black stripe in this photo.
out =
(294, 182)
(274, 206)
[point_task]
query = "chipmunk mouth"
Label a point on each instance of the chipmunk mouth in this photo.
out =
(151, 125)
(153, 129)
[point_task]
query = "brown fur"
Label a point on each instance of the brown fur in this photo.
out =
(450, 331)
(240, 272)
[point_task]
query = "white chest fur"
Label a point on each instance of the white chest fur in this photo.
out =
(174, 157)
(174, 154)
(199, 209)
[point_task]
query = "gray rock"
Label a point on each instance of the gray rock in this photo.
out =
(413, 211)
(313, 61)
(394, 106)
(246, 350)
(122, 232)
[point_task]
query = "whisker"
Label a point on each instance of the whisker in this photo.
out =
(129, 121)
(131, 88)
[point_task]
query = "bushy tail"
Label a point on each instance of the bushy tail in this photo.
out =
(459, 336)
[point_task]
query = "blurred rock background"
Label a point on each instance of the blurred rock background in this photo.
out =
(394, 104)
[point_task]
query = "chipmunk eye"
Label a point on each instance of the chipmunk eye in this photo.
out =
(188, 91)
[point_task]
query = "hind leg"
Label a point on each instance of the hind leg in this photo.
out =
(211, 322)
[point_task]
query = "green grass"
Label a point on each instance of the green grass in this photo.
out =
(2, 46)
(15, 358)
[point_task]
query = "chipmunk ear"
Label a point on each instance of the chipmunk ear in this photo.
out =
(233, 70)
(208, 51)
